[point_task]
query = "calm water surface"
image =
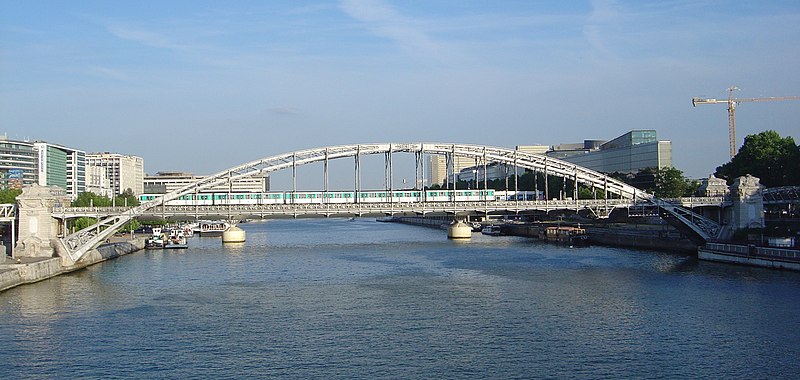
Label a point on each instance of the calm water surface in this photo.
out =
(340, 299)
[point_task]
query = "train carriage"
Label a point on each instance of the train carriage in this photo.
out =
(331, 197)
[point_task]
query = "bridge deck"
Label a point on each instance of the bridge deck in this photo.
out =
(278, 210)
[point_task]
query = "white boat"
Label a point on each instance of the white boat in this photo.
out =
(156, 240)
(176, 240)
(491, 230)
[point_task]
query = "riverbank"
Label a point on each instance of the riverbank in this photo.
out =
(628, 235)
(27, 270)
(636, 236)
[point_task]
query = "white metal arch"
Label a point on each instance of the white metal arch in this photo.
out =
(484, 153)
(80, 242)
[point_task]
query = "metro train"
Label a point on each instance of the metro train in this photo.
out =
(332, 197)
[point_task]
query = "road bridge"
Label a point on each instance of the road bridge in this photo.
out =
(75, 245)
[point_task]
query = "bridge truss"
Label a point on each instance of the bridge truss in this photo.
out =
(77, 244)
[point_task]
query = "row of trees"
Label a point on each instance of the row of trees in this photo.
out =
(90, 199)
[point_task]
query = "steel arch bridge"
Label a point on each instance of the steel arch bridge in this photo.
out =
(781, 195)
(77, 244)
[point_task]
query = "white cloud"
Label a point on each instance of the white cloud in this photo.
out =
(383, 20)
(109, 73)
(144, 37)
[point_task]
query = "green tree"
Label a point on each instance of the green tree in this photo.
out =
(130, 226)
(90, 199)
(9, 195)
(126, 198)
(670, 183)
(83, 222)
(775, 160)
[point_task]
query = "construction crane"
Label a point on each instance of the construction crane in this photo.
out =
(732, 102)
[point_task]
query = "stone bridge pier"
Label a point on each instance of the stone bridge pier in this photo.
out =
(38, 230)
(748, 203)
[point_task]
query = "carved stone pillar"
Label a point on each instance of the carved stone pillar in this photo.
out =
(37, 227)
(748, 203)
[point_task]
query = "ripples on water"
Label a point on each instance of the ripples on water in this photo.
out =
(340, 299)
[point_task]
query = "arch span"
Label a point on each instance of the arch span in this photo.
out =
(77, 244)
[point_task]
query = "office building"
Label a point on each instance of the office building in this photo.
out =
(123, 171)
(61, 166)
(534, 149)
(438, 172)
(18, 163)
(24, 163)
(629, 153)
(492, 172)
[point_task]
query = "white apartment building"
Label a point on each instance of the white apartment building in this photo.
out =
(438, 171)
(123, 171)
(165, 182)
(97, 181)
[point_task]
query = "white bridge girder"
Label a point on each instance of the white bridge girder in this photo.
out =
(78, 243)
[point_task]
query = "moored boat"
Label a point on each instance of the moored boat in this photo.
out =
(572, 236)
(492, 230)
(176, 240)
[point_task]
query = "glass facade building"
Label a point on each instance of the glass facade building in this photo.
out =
(18, 163)
(629, 153)
(61, 166)
(23, 163)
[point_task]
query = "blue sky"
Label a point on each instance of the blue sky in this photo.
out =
(204, 85)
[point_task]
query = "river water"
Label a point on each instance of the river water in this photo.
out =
(361, 299)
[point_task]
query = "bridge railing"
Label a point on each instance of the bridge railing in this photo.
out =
(476, 205)
(699, 201)
(90, 210)
(8, 211)
(749, 250)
